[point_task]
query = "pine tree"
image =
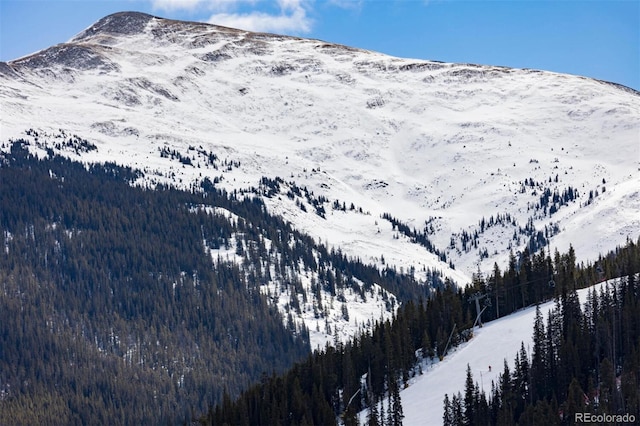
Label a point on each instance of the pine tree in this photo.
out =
(539, 371)
(469, 399)
(508, 399)
(457, 409)
(447, 415)
(522, 374)
(483, 416)
(396, 405)
(373, 417)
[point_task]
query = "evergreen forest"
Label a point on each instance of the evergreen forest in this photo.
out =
(113, 309)
(332, 386)
(584, 362)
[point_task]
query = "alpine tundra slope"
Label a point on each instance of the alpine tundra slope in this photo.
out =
(426, 166)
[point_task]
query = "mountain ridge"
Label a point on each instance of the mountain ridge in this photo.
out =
(134, 22)
(282, 191)
(447, 150)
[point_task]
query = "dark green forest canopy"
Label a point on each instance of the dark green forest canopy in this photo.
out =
(113, 311)
(320, 389)
(110, 306)
(585, 361)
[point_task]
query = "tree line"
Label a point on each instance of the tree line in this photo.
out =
(584, 362)
(112, 309)
(333, 385)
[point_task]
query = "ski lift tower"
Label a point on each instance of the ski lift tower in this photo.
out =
(477, 297)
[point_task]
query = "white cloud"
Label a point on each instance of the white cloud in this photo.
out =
(292, 18)
(171, 5)
(347, 4)
(192, 5)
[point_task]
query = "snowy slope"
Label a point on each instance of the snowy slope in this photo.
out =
(430, 143)
(498, 340)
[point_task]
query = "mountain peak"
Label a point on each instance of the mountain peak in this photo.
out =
(121, 23)
(133, 23)
(452, 146)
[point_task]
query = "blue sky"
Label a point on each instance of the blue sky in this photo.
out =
(599, 39)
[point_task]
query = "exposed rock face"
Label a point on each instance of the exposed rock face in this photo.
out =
(118, 24)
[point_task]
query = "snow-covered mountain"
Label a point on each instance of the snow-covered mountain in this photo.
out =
(416, 164)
